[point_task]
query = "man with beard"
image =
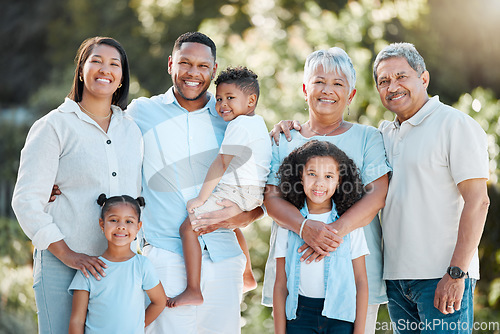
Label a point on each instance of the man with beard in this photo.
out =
(182, 134)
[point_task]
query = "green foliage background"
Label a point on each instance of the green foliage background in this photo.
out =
(458, 38)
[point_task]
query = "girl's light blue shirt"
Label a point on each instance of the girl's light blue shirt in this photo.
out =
(116, 302)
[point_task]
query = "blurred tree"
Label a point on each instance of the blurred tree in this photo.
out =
(24, 62)
(12, 138)
(17, 305)
(283, 33)
(77, 21)
(460, 43)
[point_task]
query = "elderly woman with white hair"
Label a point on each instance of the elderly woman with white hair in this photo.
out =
(328, 86)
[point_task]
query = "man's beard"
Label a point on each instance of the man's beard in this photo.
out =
(188, 98)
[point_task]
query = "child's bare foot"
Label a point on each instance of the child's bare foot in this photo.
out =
(249, 282)
(188, 297)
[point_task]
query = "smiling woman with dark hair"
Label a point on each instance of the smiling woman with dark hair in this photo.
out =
(86, 146)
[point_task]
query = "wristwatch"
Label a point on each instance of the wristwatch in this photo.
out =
(455, 272)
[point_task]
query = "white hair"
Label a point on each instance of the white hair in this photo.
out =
(333, 60)
(401, 50)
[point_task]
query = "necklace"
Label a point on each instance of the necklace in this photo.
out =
(326, 134)
(89, 113)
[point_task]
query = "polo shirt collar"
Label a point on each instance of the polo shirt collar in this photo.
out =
(427, 109)
(169, 98)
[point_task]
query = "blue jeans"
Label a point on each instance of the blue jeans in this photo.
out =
(309, 320)
(411, 308)
(51, 279)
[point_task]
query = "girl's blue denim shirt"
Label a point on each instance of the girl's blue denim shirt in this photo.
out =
(340, 287)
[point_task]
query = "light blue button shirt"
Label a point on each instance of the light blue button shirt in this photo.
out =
(179, 147)
(340, 287)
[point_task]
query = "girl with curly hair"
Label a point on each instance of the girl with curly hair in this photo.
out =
(322, 182)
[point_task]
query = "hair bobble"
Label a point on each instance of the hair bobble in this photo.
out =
(102, 199)
(140, 201)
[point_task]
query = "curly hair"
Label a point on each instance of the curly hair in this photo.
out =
(245, 79)
(350, 188)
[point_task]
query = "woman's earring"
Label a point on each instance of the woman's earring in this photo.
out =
(120, 86)
(80, 77)
(348, 111)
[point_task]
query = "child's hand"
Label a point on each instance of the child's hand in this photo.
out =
(193, 204)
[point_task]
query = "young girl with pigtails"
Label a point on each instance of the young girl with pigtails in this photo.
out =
(115, 304)
(329, 295)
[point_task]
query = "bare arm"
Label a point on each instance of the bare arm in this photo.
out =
(230, 217)
(280, 293)
(361, 279)
(319, 236)
(78, 312)
(363, 212)
(470, 229)
(158, 303)
(78, 261)
(214, 174)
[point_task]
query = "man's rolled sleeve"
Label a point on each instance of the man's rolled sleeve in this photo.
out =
(375, 163)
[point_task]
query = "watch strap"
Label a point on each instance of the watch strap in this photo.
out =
(455, 272)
